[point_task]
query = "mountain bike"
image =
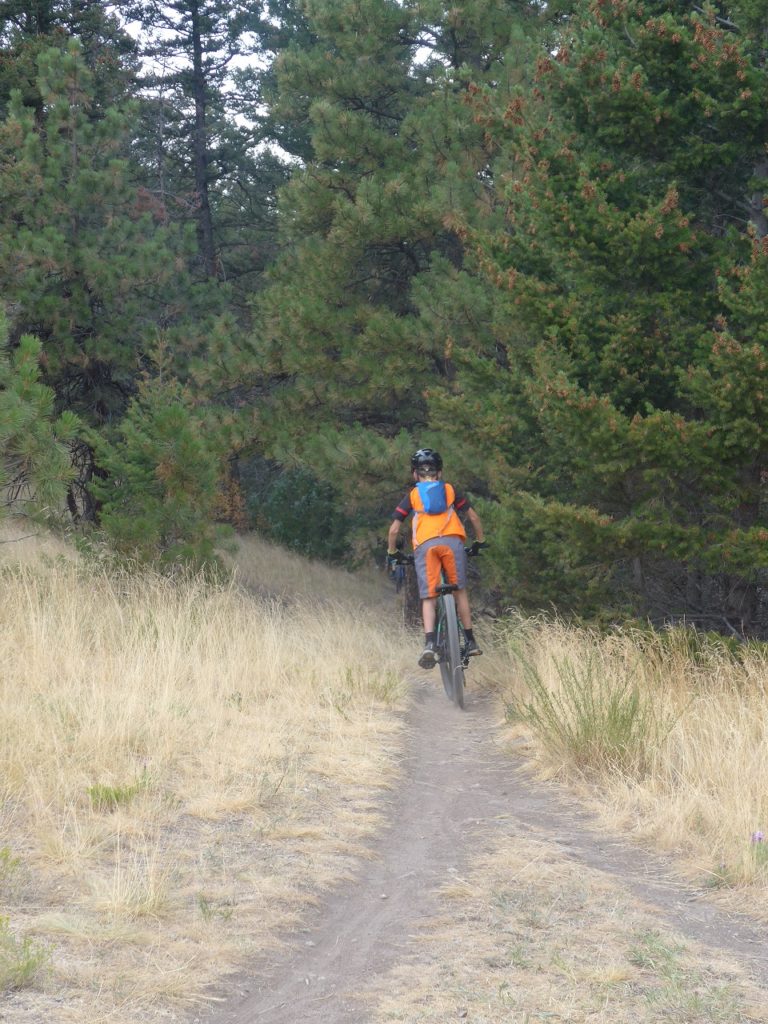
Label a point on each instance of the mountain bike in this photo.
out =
(450, 642)
(398, 577)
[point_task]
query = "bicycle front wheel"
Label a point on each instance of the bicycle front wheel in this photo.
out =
(449, 646)
(443, 649)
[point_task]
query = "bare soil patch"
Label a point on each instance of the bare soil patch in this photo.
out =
(490, 896)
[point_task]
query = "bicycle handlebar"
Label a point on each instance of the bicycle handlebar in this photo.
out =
(400, 559)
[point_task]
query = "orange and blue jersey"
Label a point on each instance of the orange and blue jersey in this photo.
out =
(443, 524)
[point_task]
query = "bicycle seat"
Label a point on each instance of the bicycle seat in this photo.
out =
(446, 588)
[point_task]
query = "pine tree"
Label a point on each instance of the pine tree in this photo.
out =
(632, 172)
(35, 444)
(83, 262)
(282, 26)
(88, 265)
(343, 357)
(28, 29)
(162, 469)
(199, 154)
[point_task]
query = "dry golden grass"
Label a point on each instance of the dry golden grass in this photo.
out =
(31, 545)
(270, 570)
(531, 935)
(183, 766)
(699, 788)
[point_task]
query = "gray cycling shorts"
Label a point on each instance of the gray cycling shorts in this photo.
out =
(440, 555)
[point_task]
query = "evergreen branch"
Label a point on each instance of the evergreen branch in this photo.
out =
(355, 103)
(729, 25)
(628, 34)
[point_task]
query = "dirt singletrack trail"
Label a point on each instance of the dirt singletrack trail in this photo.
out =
(458, 794)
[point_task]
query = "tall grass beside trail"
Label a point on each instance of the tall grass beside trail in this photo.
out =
(183, 766)
(270, 571)
(669, 731)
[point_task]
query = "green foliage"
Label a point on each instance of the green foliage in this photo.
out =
(105, 797)
(620, 394)
(9, 868)
(655, 952)
(701, 649)
(371, 234)
(304, 514)
(162, 467)
(27, 30)
(87, 263)
(21, 959)
(535, 234)
(759, 852)
(192, 141)
(35, 443)
(211, 908)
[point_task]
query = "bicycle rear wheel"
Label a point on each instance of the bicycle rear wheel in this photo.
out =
(451, 667)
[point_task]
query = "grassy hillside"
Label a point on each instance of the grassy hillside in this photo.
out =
(182, 766)
(665, 734)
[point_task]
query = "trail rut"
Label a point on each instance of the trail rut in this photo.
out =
(458, 792)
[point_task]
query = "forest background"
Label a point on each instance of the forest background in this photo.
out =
(251, 255)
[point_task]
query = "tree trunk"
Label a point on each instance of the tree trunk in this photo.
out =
(200, 148)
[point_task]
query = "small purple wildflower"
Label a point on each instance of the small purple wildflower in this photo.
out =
(758, 837)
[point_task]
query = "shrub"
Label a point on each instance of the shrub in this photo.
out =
(9, 869)
(21, 960)
(35, 443)
(108, 798)
(162, 473)
(302, 513)
(591, 715)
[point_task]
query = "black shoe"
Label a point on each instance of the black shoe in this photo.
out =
(471, 650)
(428, 658)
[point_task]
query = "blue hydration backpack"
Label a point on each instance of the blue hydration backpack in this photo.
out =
(433, 496)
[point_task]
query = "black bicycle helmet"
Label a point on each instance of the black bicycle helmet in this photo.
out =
(427, 457)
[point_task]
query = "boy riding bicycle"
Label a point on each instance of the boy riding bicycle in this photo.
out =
(438, 542)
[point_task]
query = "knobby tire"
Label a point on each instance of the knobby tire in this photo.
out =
(443, 652)
(449, 646)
